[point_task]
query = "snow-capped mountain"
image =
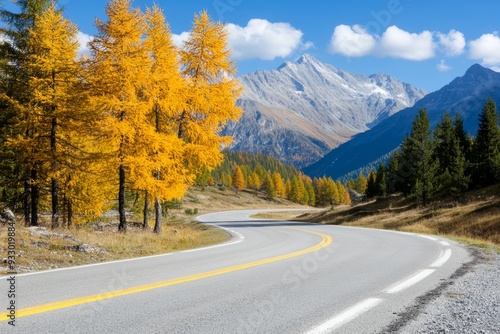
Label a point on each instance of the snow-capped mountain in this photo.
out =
(465, 95)
(302, 110)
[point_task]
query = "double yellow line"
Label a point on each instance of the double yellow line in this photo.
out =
(325, 241)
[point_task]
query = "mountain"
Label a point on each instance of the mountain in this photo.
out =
(302, 110)
(465, 95)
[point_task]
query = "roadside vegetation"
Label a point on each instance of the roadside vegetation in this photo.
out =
(475, 220)
(41, 247)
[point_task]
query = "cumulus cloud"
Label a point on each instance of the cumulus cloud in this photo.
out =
(442, 67)
(398, 43)
(352, 41)
(487, 49)
(179, 40)
(83, 40)
(453, 42)
(264, 40)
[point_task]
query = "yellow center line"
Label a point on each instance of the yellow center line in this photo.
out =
(325, 241)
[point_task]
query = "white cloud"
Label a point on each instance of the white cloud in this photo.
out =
(398, 43)
(442, 67)
(179, 40)
(487, 49)
(453, 42)
(352, 42)
(495, 68)
(264, 40)
(83, 39)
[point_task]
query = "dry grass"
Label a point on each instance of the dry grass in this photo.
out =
(35, 252)
(475, 219)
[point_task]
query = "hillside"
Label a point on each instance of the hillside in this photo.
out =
(476, 216)
(309, 106)
(465, 95)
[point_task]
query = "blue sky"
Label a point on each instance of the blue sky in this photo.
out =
(425, 43)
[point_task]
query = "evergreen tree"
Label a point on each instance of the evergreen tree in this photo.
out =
(371, 186)
(417, 151)
(487, 147)
(381, 186)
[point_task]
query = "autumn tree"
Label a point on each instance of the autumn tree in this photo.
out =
(210, 95)
(238, 179)
(269, 186)
(119, 74)
(15, 104)
(279, 185)
(165, 92)
(54, 86)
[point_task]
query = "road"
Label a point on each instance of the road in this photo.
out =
(271, 277)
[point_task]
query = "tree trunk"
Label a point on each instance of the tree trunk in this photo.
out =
(26, 201)
(35, 197)
(122, 227)
(70, 212)
(54, 186)
(158, 216)
(146, 210)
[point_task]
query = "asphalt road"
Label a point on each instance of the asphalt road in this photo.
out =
(272, 277)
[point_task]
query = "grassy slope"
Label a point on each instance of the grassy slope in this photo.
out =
(475, 219)
(180, 232)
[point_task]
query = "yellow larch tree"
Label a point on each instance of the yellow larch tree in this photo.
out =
(279, 185)
(54, 107)
(118, 74)
(211, 93)
(166, 90)
(238, 178)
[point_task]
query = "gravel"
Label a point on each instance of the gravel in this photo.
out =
(469, 302)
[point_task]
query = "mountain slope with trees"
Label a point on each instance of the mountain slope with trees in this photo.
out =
(464, 96)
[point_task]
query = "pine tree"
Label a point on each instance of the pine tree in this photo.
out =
(487, 147)
(417, 151)
(381, 186)
(445, 138)
(371, 186)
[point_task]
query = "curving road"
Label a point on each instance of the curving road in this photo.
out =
(271, 277)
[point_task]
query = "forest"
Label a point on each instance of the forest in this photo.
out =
(136, 114)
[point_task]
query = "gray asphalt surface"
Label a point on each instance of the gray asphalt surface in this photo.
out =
(357, 284)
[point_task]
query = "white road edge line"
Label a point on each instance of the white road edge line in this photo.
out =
(442, 258)
(398, 287)
(427, 237)
(444, 243)
(346, 316)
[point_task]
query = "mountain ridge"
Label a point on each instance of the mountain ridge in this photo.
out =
(310, 106)
(464, 95)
